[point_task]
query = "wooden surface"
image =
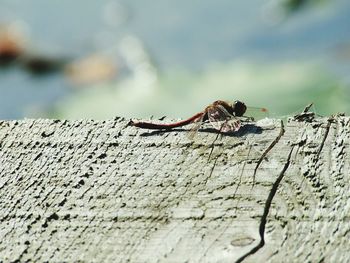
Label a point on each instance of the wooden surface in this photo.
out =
(100, 191)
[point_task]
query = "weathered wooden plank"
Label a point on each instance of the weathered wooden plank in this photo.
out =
(102, 191)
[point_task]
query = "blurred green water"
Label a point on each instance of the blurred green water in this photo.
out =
(282, 88)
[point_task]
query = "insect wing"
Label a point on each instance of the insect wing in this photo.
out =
(231, 125)
(222, 120)
(197, 124)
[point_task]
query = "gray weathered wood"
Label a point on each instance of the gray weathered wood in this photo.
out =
(100, 191)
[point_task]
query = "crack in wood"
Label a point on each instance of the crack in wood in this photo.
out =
(268, 203)
(240, 176)
(216, 159)
(275, 141)
(302, 143)
(212, 169)
(329, 123)
(213, 146)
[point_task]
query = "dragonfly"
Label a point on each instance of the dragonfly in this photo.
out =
(224, 116)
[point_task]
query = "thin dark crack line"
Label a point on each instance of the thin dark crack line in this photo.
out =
(212, 169)
(268, 203)
(216, 159)
(211, 173)
(240, 177)
(329, 123)
(206, 251)
(213, 146)
(275, 141)
(300, 143)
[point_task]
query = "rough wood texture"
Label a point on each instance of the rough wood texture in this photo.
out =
(99, 191)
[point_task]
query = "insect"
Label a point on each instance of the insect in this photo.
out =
(223, 116)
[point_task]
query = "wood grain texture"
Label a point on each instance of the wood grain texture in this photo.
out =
(100, 191)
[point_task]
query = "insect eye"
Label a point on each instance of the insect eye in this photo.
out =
(240, 108)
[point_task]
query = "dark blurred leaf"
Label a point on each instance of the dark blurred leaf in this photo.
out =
(296, 5)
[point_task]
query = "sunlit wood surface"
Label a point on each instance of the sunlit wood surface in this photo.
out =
(101, 191)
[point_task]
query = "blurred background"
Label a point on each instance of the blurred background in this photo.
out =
(141, 58)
